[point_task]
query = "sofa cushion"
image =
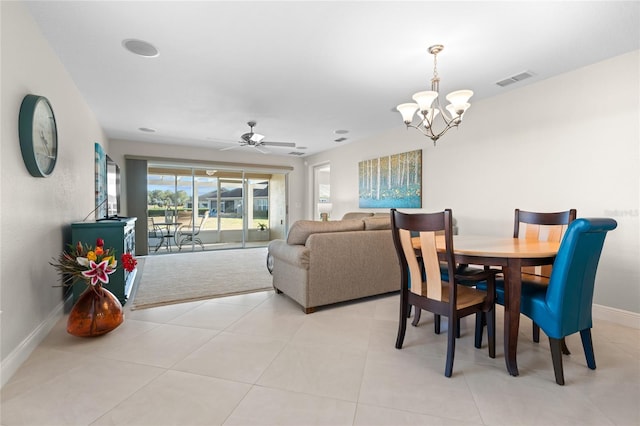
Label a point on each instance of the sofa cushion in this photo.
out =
(376, 223)
(356, 215)
(301, 229)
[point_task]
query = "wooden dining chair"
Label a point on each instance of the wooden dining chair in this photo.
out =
(542, 227)
(421, 283)
(563, 307)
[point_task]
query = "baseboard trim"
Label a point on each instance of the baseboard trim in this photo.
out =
(618, 316)
(19, 355)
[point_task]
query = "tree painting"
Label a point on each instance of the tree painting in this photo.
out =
(391, 181)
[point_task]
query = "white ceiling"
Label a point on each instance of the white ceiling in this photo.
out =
(305, 69)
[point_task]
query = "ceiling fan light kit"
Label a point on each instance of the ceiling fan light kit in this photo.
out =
(256, 140)
(427, 104)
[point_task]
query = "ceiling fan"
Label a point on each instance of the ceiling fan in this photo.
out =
(256, 140)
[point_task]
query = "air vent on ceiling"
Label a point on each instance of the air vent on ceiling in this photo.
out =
(515, 78)
(296, 153)
(340, 139)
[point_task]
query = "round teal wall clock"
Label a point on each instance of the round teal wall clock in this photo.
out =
(38, 135)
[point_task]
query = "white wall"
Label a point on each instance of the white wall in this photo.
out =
(118, 149)
(567, 142)
(36, 212)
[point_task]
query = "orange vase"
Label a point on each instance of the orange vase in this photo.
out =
(96, 312)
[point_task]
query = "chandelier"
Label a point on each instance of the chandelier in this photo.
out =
(427, 104)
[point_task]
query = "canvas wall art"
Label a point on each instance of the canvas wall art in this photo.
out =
(393, 181)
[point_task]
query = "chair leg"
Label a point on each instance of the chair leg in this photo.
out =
(587, 344)
(451, 345)
(458, 329)
(402, 326)
(478, 331)
(556, 357)
(536, 338)
(491, 331)
(436, 323)
(481, 320)
(416, 316)
(199, 241)
(182, 241)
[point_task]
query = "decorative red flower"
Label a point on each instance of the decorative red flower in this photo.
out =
(99, 242)
(128, 262)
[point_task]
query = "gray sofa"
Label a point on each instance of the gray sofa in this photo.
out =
(322, 263)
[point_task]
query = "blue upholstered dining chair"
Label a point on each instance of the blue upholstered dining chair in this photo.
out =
(564, 306)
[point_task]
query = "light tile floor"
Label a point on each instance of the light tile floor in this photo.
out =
(256, 359)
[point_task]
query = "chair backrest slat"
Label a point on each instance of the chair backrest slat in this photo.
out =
(415, 276)
(543, 227)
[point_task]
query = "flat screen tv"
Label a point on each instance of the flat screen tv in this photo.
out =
(113, 188)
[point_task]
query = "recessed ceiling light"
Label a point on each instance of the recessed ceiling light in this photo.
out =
(340, 139)
(341, 132)
(147, 129)
(140, 47)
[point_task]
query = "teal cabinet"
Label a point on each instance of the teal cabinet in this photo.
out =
(119, 234)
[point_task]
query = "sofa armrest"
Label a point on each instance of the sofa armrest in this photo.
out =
(293, 254)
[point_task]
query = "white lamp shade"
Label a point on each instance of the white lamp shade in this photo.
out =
(407, 111)
(325, 207)
(425, 99)
(454, 109)
(459, 97)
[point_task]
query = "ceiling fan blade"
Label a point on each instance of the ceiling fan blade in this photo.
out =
(284, 144)
(232, 147)
(264, 151)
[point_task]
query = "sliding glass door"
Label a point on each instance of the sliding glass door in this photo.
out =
(204, 209)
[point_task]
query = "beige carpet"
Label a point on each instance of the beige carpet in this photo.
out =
(185, 277)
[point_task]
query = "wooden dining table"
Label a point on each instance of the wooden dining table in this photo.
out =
(511, 254)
